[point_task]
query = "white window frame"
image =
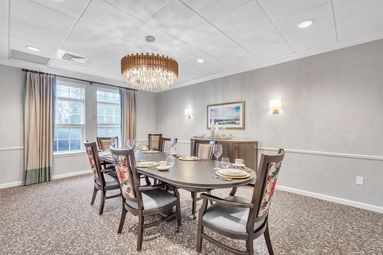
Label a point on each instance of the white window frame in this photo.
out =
(108, 125)
(82, 126)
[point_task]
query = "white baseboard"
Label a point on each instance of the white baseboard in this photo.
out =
(54, 177)
(10, 184)
(332, 199)
(60, 176)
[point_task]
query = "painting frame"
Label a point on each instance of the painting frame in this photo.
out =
(241, 114)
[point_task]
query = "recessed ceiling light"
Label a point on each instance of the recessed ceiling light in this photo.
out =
(200, 60)
(306, 24)
(31, 48)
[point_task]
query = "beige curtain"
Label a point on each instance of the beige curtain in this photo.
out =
(128, 115)
(38, 127)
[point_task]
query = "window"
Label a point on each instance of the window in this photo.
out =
(108, 113)
(69, 117)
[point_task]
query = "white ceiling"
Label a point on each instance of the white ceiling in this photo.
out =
(230, 35)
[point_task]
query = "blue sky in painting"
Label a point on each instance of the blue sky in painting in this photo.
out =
(226, 112)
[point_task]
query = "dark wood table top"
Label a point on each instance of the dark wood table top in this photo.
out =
(191, 175)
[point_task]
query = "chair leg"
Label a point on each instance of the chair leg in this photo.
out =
(178, 215)
(199, 237)
(194, 204)
(94, 195)
(102, 203)
(268, 240)
(250, 246)
(122, 220)
(140, 232)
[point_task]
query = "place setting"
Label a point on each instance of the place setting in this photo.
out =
(229, 171)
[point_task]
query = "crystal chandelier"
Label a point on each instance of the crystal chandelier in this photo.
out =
(149, 72)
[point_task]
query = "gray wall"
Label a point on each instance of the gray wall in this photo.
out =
(12, 83)
(332, 103)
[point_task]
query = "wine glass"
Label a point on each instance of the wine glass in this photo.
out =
(217, 151)
(131, 143)
(173, 143)
(225, 162)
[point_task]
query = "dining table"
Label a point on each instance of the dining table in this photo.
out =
(191, 175)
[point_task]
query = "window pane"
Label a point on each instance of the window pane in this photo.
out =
(63, 145)
(108, 114)
(75, 133)
(108, 131)
(69, 112)
(66, 91)
(62, 133)
(75, 144)
(108, 96)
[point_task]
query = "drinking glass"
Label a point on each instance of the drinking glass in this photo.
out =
(225, 162)
(173, 144)
(217, 151)
(131, 143)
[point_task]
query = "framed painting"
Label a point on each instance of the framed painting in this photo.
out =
(229, 115)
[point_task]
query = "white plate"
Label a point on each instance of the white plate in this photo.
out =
(238, 165)
(162, 168)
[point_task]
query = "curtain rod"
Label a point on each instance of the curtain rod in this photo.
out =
(90, 82)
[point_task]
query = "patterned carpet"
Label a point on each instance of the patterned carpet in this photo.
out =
(57, 218)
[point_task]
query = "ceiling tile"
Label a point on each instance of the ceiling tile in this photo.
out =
(320, 33)
(38, 36)
(254, 31)
(144, 10)
(281, 9)
(212, 9)
(357, 18)
(40, 17)
(102, 28)
(197, 32)
(69, 8)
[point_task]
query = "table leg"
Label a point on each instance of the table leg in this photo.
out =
(194, 205)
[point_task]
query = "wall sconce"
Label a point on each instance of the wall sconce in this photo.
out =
(275, 106)
(188, 113)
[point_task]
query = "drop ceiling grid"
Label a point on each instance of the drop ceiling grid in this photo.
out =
(188, 30)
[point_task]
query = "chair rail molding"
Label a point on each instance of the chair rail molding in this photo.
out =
(13, 148)
(316, 153)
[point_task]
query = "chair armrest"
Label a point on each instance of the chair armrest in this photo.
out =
(151, 187)
(226, 202)
(108, 170)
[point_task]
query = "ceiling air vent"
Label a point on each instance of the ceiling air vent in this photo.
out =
(70, 57)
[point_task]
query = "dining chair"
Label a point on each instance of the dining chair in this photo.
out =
(204, 152)
(104, 179)
(166, 143)
(238, 218)
(143, 201)
(155, 141)
(105, 142)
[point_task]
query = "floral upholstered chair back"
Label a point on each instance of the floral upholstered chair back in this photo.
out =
(104, 143)
(124, 162)
(155, 142)
(266, 181)
(91, 151)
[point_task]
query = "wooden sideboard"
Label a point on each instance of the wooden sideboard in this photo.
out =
(246, 149)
